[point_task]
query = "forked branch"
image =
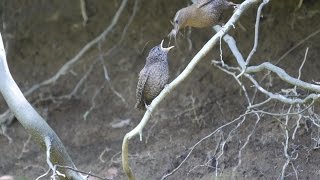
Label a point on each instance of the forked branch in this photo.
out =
(170, 87)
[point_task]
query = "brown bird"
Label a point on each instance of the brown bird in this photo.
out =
(153, 77)
(202, 13)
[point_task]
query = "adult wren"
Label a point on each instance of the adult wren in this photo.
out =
(202, 13)
(153, 77)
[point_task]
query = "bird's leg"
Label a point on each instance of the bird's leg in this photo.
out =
(223, 27)
(147, 107)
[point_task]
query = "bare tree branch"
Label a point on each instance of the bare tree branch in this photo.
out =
(30, 119)
(256, 31)
(188, 70)
(284, 76)
(287, 96)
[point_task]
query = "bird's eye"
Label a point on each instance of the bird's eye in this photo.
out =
(176, 21)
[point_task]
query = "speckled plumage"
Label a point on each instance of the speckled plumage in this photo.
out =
(153, 77)
(202, 13)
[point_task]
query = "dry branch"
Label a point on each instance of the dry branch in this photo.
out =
(188, 70)
(296, 101)
(29, 118)
(84, 11)
(300, 106)
(282, 74)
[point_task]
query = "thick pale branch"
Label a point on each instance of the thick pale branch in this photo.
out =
(284, 76)
(233, 47)
(188, 70)
(280, 97)
(30, 119)
(280, 72)
(296, 100)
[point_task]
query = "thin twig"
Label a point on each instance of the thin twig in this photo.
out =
(200, 141)
(245, 144)
(256, 36)
(256, 31)
(304, 60)
(297, 45)
(84, 12)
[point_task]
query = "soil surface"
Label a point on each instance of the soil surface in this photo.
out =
(41, 36)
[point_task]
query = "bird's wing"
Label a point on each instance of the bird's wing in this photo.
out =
(143, 77)
(201, 3)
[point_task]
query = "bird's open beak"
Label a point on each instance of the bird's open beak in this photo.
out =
(165, 49)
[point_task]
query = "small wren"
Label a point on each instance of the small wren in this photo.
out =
(153, 77)
(202, 13)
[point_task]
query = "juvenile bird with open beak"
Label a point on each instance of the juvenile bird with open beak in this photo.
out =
(202, 13)
(153, 77)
